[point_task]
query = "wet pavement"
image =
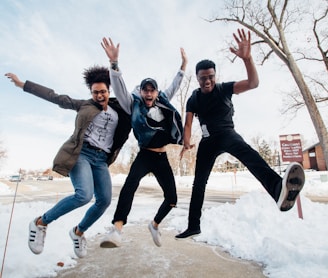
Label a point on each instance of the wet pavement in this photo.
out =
(140, 257)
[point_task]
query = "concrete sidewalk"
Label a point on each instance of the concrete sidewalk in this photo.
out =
(140, 257)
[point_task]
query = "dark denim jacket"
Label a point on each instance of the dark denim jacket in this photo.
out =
(141, 129)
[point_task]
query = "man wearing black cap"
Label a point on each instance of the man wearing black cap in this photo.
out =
(155, 124)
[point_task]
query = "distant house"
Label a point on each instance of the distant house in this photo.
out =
(313, 158)
(50, 174)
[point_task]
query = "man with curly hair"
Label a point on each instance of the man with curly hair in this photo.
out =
(101, 128)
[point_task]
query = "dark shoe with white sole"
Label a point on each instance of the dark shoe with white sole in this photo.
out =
(292, 184)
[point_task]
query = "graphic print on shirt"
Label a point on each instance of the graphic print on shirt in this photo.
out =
(101, 130)
(99, 127)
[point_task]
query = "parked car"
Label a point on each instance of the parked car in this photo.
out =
(44, 178)
(15, 178)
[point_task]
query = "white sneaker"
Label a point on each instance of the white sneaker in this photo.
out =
(112, 239)
(292, 184)
(155, 233)
(37, 234)
(79, 243)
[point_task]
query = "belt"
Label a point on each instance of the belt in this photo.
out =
(89, 146)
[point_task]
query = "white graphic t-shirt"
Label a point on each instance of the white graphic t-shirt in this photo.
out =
(101, 130)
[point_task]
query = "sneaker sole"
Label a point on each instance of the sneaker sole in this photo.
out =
(184, 238)
(191, 236)
(292, 190)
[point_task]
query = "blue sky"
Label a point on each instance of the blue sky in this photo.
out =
(52, 42)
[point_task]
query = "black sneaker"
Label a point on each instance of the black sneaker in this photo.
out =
(292, 184)
(188, 233)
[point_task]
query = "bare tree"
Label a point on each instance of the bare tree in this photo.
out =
(186, 165)
(183, 94)
(271, 23)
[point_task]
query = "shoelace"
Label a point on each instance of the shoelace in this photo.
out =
(40, 236)
(157, 230)
(82, 243)
(110, 230)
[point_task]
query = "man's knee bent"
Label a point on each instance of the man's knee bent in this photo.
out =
(172, 201)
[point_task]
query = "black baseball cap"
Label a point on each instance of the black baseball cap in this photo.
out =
(150, 81)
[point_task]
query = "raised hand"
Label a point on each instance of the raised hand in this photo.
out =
(244, 44)
(184, 59)
(111, 50)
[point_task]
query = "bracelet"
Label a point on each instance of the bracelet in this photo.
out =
(114, 65)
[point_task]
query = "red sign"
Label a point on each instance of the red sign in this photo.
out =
(291, 148)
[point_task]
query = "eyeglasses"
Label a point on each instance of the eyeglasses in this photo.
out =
(102, 92)
(204, 78)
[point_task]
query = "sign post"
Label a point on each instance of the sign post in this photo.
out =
(291, 151)
(291, 148)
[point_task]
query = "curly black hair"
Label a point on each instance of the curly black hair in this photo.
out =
(96, 74)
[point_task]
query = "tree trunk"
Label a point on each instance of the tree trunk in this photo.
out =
(254, 19)
(312, 107)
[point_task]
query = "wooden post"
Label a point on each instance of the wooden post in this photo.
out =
(299, 207)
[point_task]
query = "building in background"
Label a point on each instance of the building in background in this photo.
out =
(313, 158)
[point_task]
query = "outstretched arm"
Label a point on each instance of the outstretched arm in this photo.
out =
(187, 134)
(123, 96)
(244, 52)
(15, 79)
(170, 91)
(64, 101)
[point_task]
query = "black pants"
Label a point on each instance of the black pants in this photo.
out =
(209, 149)
(146, 162)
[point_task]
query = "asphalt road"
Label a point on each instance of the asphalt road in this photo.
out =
(33, 190)
(54, 190)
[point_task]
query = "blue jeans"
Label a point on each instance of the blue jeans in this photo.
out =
(89, 176)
